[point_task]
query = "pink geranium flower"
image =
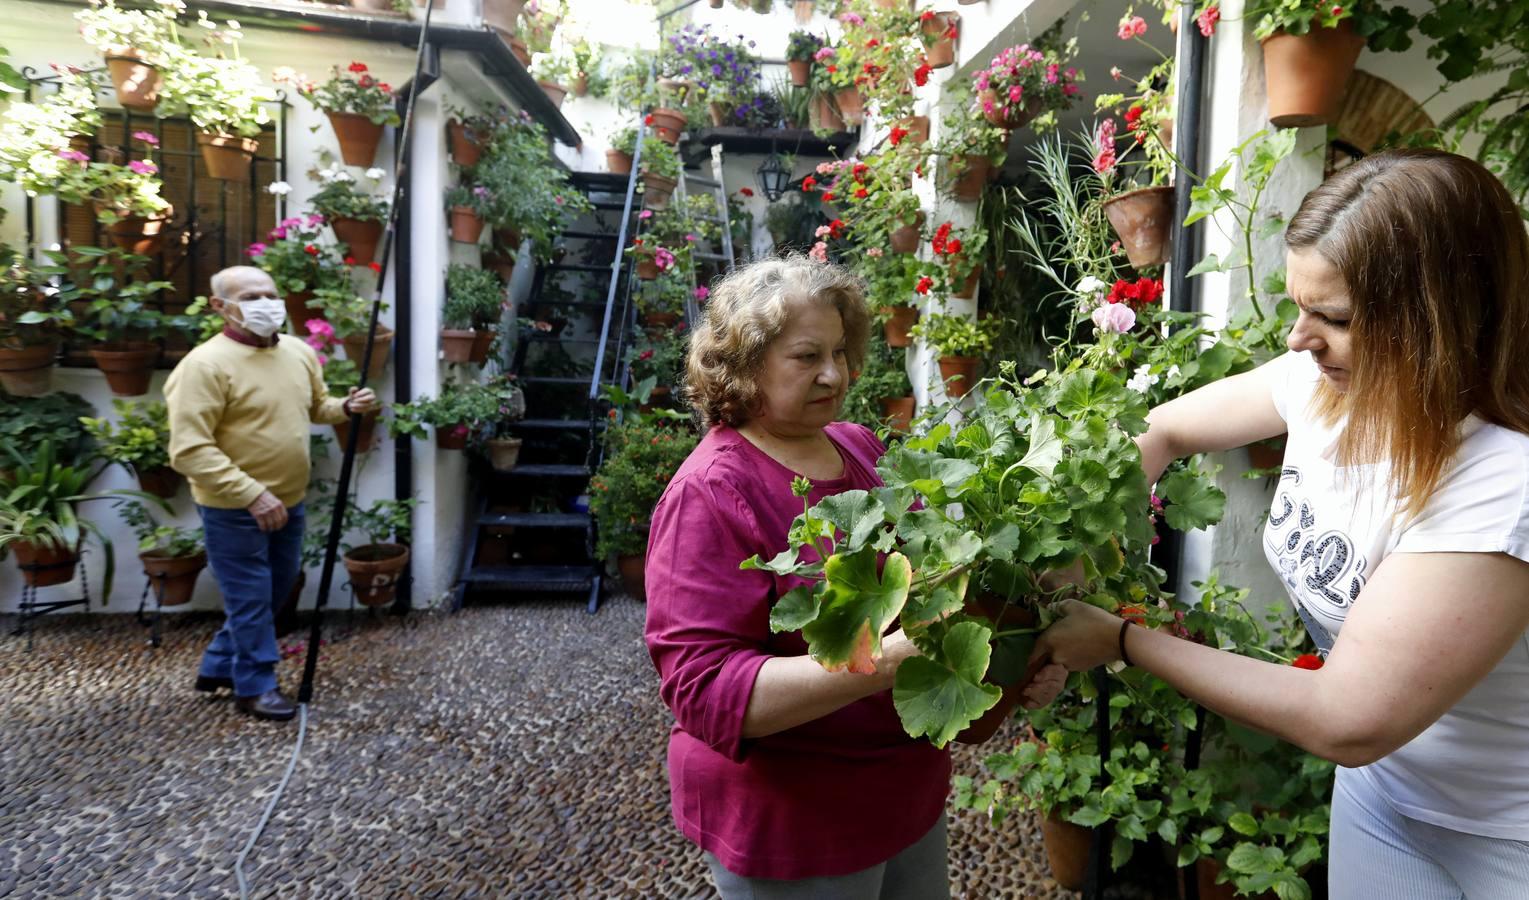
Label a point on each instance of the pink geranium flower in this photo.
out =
(143, 167)
(1133, 27)
(146, 137)
(1208, 19)
(1114, 318)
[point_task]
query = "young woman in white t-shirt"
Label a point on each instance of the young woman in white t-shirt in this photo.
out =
(1400, 527)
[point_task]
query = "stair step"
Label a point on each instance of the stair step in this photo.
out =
(612, 204)
(532, 578)
(550, 424)
(546, 470)
(536, 520)
(589, 235)
(554, 379)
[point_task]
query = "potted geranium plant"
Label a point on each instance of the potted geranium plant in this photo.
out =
(475, 300)
(1140, 207)
(800, 47)
(938, 32)
(467, 132)
(300, 263)
(532, 194)
(459, 412)
(375, 566)
(339, 314)
(659, 354)
(618, 159)
(882, 394)
(971, 148)
(960, 251)
(358, 106)
(126, 197)
(467, 205)
(898, 280)
(224, 97)
(961, 342)
(553, 72)
(662, 300)
(138, 45)
(660, 169)
(838, 102)
(139, 441)
(34, 317)
(356, 216)
(1022, 85)
(116, 298)
(652, 260)
(172, 557)
(642, 452)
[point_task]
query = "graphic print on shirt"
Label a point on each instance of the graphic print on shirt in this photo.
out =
(1318, 565)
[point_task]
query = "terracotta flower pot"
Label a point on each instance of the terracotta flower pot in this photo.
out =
(899, 320)
(298, 311)
(657, 190)
(382, 345)
(466, 227)
(228, 156)
(618, 162)
(139, 235)
(801, 71)
(502, 15)
(898, 412)
(554, 92)
(967, 289)
(503, 453)
(1306, 74)
(803, 10)
(1143, 219)
(366, 439)
(1067, 851)
(465, 149)
(942, 52)
(173, 577)
(664, 320)
(917, 128)
(647, 270)
(520, 51)
(851, 106)
(161, 481)
(975, 171)
(1267, 454)
(824, 116)
(27, 371)
(668, 124)
(905, 239)
(457, 344)
(137, 82)
(43, 565)
(715, 4)
(374, 572)
(372, 5)
(360, 237)
(451, 437)
(720, 113)
(508, 238)
(993, 607)
(503, 264)
(1012, 119)
(580, 85)
(1207, 870)
(633, 568)
(959, 374)
(358, 137)
(128, 365)
(483, 341)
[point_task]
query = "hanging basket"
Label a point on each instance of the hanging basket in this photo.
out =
(898, 412)
(1143, 219)
(45, 565)
(899, 320)
(358, 137)
(355, 348)
(465, 149)
(1305, 74)
(466, 226)
(1067, 851)
(136, 80)
(139, 235)
(668, 124)
(359, 236)
(173, 577)
(374, 572)
(27, 371)
(128, 365)
(1007, 115)
(959, 374)
(228, 156)
(823, 115)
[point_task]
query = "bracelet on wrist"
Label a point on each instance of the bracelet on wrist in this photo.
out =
(1124, 657)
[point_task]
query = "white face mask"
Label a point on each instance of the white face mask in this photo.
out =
(262, 318)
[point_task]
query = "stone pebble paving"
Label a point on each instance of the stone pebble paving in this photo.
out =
(509, 750)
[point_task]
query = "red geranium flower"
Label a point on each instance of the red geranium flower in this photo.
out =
(647, 119)
(861, 193)
(311, 250)
(747, 192)
(832, 68)
(358, 67)
(921, 74)
(924, 284)
(1308, 661)
(366, 81)
(808, 184)
(350, 260)
(897, 135)
(871, 43)
(1134, 614)
(1133, 118)
(375, 266)
(828, 197)
(927, 16)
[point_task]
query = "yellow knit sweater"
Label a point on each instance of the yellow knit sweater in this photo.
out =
(239, 419)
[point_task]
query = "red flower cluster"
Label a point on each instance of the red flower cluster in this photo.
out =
(375, 266)
(897, 135)
(1308, 661)
(924, 284)
(943, 243)
(647, 119)
(921, 74)
(747, 192)
(836, 228)
(861, 193)
(871, 43)
(1144, 292)
(350, 260)
(809, 184)
(926, 16)
(311, 250)
(358, 67)
(828, 196)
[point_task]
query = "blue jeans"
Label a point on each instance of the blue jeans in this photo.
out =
(255, 570)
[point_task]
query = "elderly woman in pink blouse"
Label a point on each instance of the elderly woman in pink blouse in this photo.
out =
(796, 781)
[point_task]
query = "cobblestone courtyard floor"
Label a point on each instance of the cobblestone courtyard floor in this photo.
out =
(506, 751)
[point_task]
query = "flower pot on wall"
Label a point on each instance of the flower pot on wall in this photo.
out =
(917, 128)
(618, 162)
(372, 5)
(1143, 219)
(137, 82)
(502, 15)
(899, 320)
(647, 270)
(801, 71)
(1307, 73)
(898, 412)
(451, 437)
(298, 311)
(720, 113)
(520, 51)
(942, 52)
(457, 344)
(382, 345)
(359, 236)
(128, 365)
(140, 235)
(554, 92)
(905, 238)
(803, 10)
(173, 577)
(358, 137)
(43, 565)
(1012, 118)
(851, 106)
(823, 115)
(1067, 851)
(366, 440)
(663, 320)
(483, 342)
(633, 569)
(668, 124)
(657, 190)
(27, 371)
(503, 453)
(967, 289)
(228, 156)
(503, 264)
(959, 374)
(465, 149)
(374, 572)
(161, 481)
(975, 171)
(466, 227)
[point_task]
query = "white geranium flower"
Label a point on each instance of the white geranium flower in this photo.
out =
(1173, 371)
(343, 175)
(1142, 380)
(375, 174)
(1090, 285)
(279, 188)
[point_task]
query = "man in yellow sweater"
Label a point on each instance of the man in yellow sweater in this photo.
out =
(240, 407)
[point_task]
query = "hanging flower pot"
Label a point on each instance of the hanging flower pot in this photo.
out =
(502, 15)
(993, 607)
(140, 235)
(298, 312)
(359, 236)
(959, 374)
(633, 569)
(451, 437)
(27, 371)
(457, 344)
(503, 264)
(128, 365)
(44, 565)
(720, 113)
(228, 156)
(898, 412)
(136, 80)
(1306, 74)
(161, 481)
(647, 270)
(554, 92)
(905, 238)
(1267, 454)
(657, 190)
(668, 124)
(942, 51)
(358, 137)
(975, 170)
(1011, 117)
(899, 320)
(716, 4)
(967, 289)
(917, 128)
(1067, 851)
(520, 51)
(1143, 219)
(503, 453)
(823, 115)
(803, 10)
(851, 106)
(366, 440)
(618, 162)
(801, 71)
(173, 577)
(465, 149)
(466, 226)
(663, 320)
(483, 342)
(382, 345)
(374, 572)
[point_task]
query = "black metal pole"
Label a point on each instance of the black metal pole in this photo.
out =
(1097, 877)
(1183, 293)
(403, 379)
(347, 464)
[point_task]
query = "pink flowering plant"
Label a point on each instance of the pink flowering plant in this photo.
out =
(295, 256)
(1024, 84)
(1146, 159)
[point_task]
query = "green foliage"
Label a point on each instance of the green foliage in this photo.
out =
(340, 197)
(800, 46)
(155, 539)
(465, 405)
(477, 198)
(116, 294)
(953, 335)
(660, 355)
(1383, 29)
(32, 311)
(383, 522)
(530, 191)
(964, 131)
(355, 90)
(884, 376)
(53, 419)
(348, 313)
(641, 454)
(286, 256)
(475, 298)
(659, 158)
(140, 438)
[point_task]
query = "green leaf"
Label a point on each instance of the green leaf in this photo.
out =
(938, 698)
(1089, 816)
(1120, 851)
(855, 513)
(795, 610)
(1211, 263)
(1002, 542)
(784, 563)
(1045, 447)
(855, 609)
(1250, 859)
(1011, 657)
(1242, 823)
(927, 606)
(1168, 830)
(934, 476)
(1193, 502)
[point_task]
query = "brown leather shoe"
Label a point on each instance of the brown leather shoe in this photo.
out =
(270, 705)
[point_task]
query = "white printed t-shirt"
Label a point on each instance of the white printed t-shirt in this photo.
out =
(1326, 535)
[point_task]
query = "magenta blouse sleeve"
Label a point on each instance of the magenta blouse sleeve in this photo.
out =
(707, 621)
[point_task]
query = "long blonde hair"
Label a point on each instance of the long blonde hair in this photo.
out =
(1436, 260)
